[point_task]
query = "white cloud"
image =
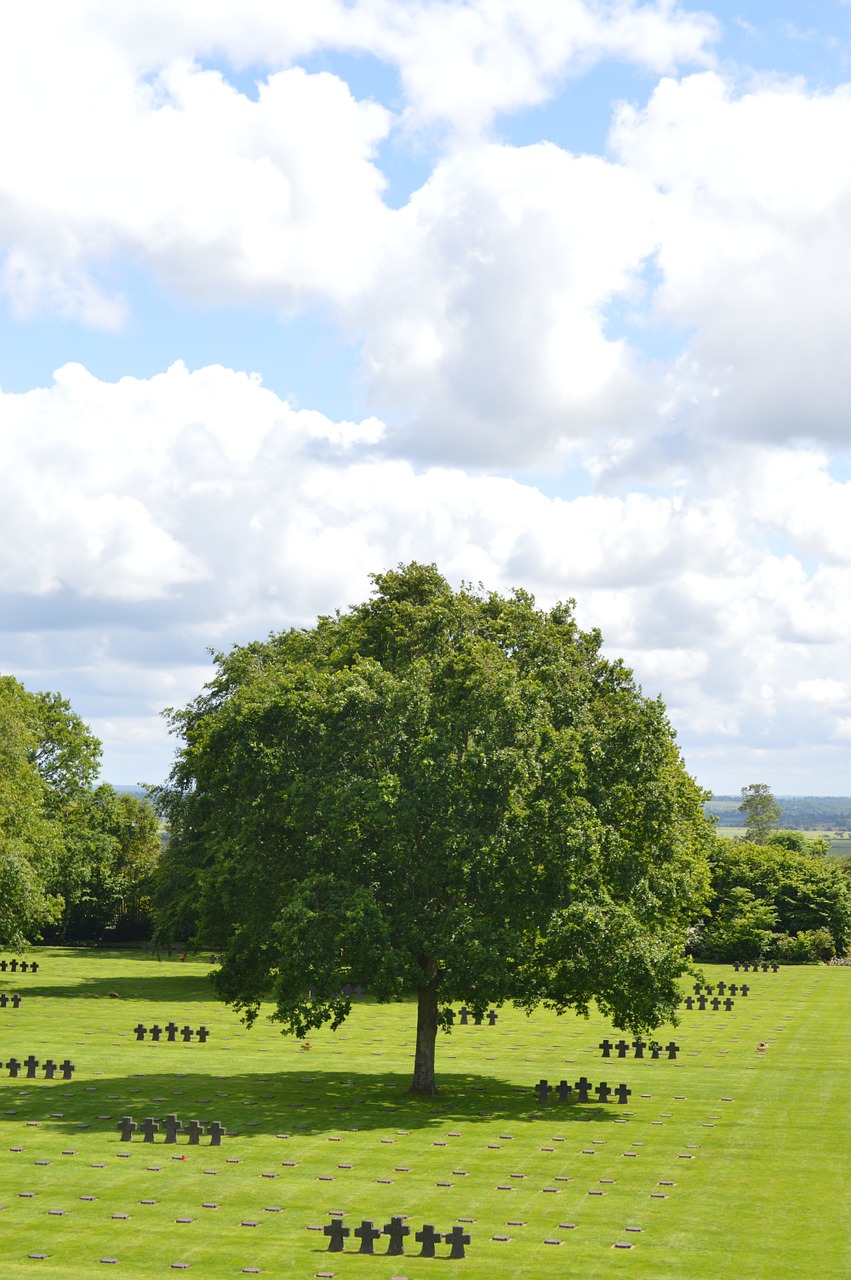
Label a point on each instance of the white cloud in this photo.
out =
(143, 520)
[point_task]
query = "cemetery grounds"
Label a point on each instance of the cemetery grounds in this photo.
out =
(731, 1161)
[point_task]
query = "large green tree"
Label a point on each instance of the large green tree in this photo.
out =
(761, 810)
(452, 793)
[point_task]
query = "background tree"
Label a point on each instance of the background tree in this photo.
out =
(761, 810)
(772, 901)
(443, 792)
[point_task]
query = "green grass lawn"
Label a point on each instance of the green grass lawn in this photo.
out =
(725, 1163)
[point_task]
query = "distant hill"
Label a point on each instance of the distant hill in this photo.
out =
(800, 813)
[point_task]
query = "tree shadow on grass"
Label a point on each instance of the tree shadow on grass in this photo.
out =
(295, 1102)
(158, 987)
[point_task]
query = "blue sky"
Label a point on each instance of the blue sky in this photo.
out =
(551, 294)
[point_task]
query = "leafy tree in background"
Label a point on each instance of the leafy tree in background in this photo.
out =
(75, 858)
(761, 810)
(451, 793)
(771, 901)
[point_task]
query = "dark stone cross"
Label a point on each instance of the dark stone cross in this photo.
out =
(67, 1069)
(458, 1238)
(622, 1093)
(655, 1049)
(465, 1015)
(172, 1127)
(492, 1017)
(13, 1067)
(34, 967)
(709, 988)
(31, 1063)
(336, 1233)
(639, 1046)
(722, 987)
(428, 1238)
(716, 1004)
(603, 1091)
(697, 988)
(745, 966)
(156, 1032)
(140, 1031)
(733, 989)
(397, 1231)
(4, 965)
(736, 965)
(49, 1069)
(775, 966)
(582, 1087)
(542, 1089)
(701, 1002)
(128, 1127)
(16, 1001)
(13, 965)
(606, 1046)
(171, 1030)
(25, 966)
(673, 1049)
(367, 1233)
(149, 1127)
(4, 1000)
(622, 1046)
(744, 988)
(689, 1002)
(187, 1034)
(195, 1129)
(728, 1004)
(564, 1091)
(203, 1035)
(217, 1131)
(765, 966)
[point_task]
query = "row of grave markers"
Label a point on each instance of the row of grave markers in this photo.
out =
(639, 1046)
(14, 1000)
(172, 1126)
(396, 1230)
(733, 989)
(15, 966)
(171, 1030)
(13, 1066)
(701, 1002)
(756, 965)
(583, 1088)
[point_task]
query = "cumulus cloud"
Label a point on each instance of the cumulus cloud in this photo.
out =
(145, 520)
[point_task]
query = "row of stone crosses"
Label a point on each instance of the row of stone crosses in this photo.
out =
(703, 1002)
(464, 1015)
(706, 988)
(583, 1088)
(18, 966)
(396, 1230)
(13, 1066)
(756, 965)
(14, 1000)
(171, 1030)
(171, 1128)
(639, 1046)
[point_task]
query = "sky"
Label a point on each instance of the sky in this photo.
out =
(552, 293)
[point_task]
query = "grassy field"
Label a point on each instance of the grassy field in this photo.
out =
(729, 1162)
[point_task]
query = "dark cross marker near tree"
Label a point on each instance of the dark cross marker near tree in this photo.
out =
(367, 1233)
(639, 1046)
(606, 1047)
(396, 1230)
(431, 737)
(128, 1127)
(336, 1233)
(457, 1238)
(689, 1002)
(655, 1049)
(728, 1004)
(622, 1046)
(465, 1016)
(673, 1049)
(428, 1238)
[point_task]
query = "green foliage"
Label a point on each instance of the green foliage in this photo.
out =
(75, 859)
(439, 791)
(766, 896)
(761, 810)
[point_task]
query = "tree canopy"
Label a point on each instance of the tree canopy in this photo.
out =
(761, 810)
(75, 858)
(445, 792)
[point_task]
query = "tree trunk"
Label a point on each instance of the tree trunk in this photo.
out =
(423, 1084)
